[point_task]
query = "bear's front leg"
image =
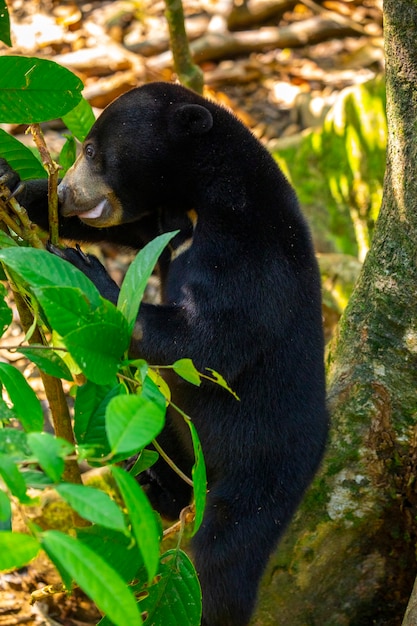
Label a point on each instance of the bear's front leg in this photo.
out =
(89, 265)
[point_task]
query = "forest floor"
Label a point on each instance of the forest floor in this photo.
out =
(278, 64)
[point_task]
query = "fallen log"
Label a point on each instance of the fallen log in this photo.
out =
(214, 46)
(101, 60)
(255, 12)
(153, 44)
(102, 91)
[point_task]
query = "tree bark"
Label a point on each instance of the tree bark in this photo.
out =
(349, 557)
(410, 617)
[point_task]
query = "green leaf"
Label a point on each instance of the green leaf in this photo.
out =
(80, 119)
(185, 368)
(89, 414)
(42, 269)
(16, 549)
(7, 413)
(13, 442)
(142, 367)
(93, 505)
(4, 23)
(36, 90)
(137, 276)
(199, 478)
(177, 580)
(95, 577)
(132, 422)
(146, 459)
(98, 350)
(6, 314)
(24, 399)
(142, 518)
(47, 360)
(13, 479)
(36, 479)
(151, 391)
(114, 547)
(68, 154)
(50, 452)
(5, 240)
(20, 158)
(158, 382)
(219, 380)
(66, 308)
(5, 507)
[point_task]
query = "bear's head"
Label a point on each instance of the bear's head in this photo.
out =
(138, 156)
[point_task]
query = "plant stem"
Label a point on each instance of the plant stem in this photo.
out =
(53, 390)
(53, 172)
(16, 218)
(188, 72)
(171, 463)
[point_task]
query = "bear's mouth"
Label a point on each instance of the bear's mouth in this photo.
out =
(105, 213)
(97, 212)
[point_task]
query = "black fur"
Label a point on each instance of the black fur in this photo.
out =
(244, 299)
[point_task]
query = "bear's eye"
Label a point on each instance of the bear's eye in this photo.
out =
(89, 151)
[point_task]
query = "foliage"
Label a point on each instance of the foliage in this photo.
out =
(4, 23)
(110, 538)
(118, 411)
(31, 100)
(343, 164)
(22, 89)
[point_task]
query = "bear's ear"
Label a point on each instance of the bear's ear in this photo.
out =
(190, 119)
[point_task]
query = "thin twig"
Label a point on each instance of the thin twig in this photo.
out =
(187, 516)
(53, 174)
(171, 463)
(46, 592)
(17, 220)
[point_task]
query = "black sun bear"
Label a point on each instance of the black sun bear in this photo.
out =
(241, 295)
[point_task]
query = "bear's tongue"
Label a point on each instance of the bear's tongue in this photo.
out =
(95, 212)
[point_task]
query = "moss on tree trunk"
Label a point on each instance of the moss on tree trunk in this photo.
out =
(349, 557)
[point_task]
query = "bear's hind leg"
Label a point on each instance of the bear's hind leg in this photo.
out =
(231, 550)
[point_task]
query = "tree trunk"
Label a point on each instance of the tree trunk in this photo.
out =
(349, 557)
